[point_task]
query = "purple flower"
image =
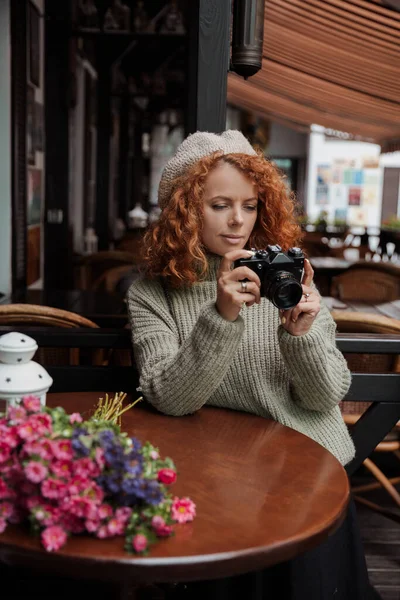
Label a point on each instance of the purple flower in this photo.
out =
(77, 443)
(133, 487)
(79, 447)
(136, 445)
(134, 467)
(110, 482)
(106, 437)
(115, 457)
(153, 494)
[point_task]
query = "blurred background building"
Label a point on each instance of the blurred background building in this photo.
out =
(97, 94)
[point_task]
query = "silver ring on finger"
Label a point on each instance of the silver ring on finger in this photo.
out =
(243, 285)
(306, 296)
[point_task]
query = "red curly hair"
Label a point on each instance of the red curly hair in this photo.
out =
(173, 245)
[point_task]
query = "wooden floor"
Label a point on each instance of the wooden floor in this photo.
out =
(381, 537)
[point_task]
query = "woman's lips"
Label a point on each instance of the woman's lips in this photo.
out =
(231, 239)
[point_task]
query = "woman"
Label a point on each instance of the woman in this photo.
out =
(202, 333)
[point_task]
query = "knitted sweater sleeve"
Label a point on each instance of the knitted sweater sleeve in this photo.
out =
(178, 378)
(319, 375)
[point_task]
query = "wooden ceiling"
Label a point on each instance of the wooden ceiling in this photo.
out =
(334, 63)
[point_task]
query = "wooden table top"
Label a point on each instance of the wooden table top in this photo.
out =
(264, 493)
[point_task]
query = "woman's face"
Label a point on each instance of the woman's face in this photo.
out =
(230, 209)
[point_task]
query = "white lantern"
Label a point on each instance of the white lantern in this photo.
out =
(19, 375)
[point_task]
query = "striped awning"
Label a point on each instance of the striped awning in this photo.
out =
(334, 63)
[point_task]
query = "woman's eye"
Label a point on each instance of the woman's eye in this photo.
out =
(219, 206)
(251, 207)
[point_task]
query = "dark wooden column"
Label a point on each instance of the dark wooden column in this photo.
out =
(209, 53)
(103, 146)
(124, 158)
(18, 142)
(57, 246)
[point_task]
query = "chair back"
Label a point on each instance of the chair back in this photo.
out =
(352, 322)
(46, 316)
(368, 281)
(92, 267)
(117, 279)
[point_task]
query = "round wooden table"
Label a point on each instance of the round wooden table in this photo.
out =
(264, 494)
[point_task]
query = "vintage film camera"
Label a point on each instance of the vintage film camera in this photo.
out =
(280, 274)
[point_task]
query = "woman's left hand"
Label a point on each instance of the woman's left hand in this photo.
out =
(298, 320)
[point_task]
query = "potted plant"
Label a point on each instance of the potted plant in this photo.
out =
(321, 221)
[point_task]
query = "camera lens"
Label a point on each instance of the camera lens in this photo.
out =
(284, 290)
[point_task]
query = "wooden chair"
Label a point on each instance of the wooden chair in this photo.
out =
(117, 279)
(369, 282)
(46, 316)
(352, 322)
(91, 267)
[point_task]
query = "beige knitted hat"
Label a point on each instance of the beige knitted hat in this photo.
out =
(194, 147)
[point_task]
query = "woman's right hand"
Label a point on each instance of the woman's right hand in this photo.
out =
(230, 296)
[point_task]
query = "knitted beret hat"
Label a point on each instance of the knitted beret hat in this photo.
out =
(196, 146)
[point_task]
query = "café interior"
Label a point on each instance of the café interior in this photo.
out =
(97, 96)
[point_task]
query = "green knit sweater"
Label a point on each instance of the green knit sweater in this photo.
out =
(189, 356)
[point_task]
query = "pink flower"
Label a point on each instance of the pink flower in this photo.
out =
(52, 516)
(160, 528)
(5, 452)
(115, 527)
(77, 485)
(54, 489)
(12, 469)
(62, 449)
(94, 492)
(35, 471)
(92, 525)
(75, 418)
(3, 525)
(9, 435)
(123, 514)
(183, 510)
(62, 468)
(72, 523)
(6, 510)
(53, 538)
(105, 511)
(154, 455)
(99, 458)
(16, 414)
(4, 489)
(164, 531)
(42, 423)
(33, 502)
(103, 532)
(86, 467)
(167, 476)
(27, 431)
(157, 522)
(77, 506)
(139, 542)
(31, 403)
(40, 448)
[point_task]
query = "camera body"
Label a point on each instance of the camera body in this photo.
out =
(280, 274)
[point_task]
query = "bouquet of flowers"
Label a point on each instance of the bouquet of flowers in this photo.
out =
(66, 475)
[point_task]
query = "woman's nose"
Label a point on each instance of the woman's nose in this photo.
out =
(236, 218)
